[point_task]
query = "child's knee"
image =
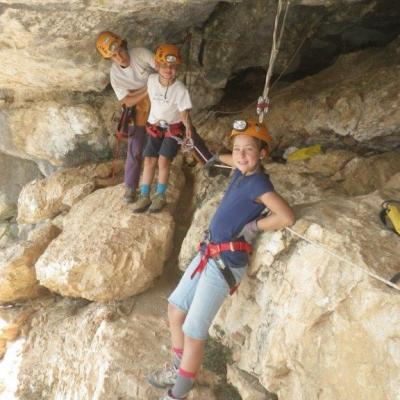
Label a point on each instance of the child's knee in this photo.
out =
(150, 162)
(175, 315)
(163, 162)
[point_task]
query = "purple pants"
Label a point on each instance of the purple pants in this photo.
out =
(137, 136)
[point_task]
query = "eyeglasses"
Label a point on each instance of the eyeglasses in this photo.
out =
(240, 125)
(170, 58)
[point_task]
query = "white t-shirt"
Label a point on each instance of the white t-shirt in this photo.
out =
(135, 75)
(167, 102)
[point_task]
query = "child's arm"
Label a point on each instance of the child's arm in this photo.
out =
(226, 159)
(134, 96)
(217, 158)
(280, 216)
(185, 118)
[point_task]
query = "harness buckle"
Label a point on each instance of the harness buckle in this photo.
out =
(231, 248)
(215, 250)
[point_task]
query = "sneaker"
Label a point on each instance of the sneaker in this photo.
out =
(163, 378)
(168, 396)
(129, 195)
(142, 204)
(158, 203)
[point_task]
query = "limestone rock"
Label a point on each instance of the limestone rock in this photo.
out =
(247, 385)
(87, 351)
(195, 234)
(12, 321)
(304, 321)
(17, 274)
(15, 173)
(365, 174)
(57, 41)
(106, 251)
(46, 198)
(361, 103)
(63, 135)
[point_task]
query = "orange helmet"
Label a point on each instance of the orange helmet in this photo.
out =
(108, 44)
(251, 128)
(168, 54)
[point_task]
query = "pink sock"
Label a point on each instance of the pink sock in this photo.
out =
(186, 374)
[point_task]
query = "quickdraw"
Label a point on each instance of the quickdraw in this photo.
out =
(262, 105)
(390, 215)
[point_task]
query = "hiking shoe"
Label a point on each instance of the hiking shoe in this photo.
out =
(168, 396)
(129, 195)
(142, 204)
(158, 203)
(163, 378)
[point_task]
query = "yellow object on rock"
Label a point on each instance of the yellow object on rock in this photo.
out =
(390, 215)
(304, 153)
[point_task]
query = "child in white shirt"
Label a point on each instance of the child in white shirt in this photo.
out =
(168, 118)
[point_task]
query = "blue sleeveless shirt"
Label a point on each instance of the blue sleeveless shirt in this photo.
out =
(238, 207)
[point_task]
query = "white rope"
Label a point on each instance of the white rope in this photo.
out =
(276, 42)
(332, 253)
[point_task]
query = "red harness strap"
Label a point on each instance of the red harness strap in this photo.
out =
(172, 130)
(213, 250)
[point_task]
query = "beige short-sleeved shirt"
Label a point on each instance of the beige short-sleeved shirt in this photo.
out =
(135, 75)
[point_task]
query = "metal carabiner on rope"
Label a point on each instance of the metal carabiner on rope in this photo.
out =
(187, 144)
(262, 107)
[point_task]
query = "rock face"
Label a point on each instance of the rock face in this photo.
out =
(73, 350)
(361, 103)
(17, 273)
(45, 198)
(15, 173)
(89, 353)
(301, 313)
(107, 252)
(63, 135)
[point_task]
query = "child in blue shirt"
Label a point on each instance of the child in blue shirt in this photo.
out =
(218, 267)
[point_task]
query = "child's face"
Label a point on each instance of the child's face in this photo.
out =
(246, 154)
(167, 71)
(121, 57)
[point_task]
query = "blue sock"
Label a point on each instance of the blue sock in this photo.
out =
(161, 188)
(144, 189)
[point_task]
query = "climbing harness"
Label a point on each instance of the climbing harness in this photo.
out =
(163, 129)
(390, 215)
(213, 250)
(263, 101)
(332, 253)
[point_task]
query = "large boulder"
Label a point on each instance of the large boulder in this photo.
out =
(75, 350)
(12, 321)
(62, 135)
(45, 198)
(17, 273)
(105, 250)
(15, 173)
(309, 315)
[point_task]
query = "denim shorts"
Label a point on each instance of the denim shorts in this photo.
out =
(201, 297)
